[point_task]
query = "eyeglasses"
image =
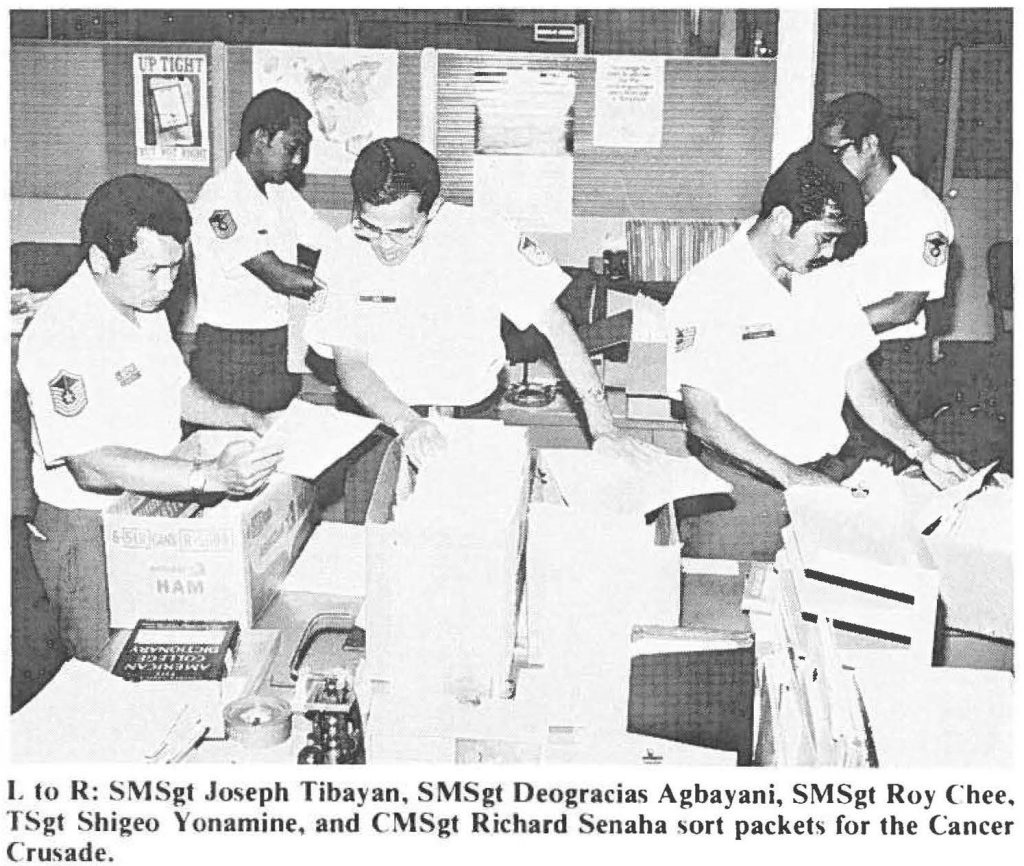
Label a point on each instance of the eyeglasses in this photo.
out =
(837, 149)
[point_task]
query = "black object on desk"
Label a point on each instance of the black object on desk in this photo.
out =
(703, 697)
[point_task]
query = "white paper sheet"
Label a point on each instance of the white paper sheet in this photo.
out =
(629, 101)
(314, 437)
(533, 192)
(592, 481)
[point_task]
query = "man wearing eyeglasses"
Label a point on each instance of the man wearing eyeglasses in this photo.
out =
(418, 287)
(903, 265)
(250, 222)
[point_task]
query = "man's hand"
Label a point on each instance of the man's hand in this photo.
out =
(239, 470)
(619, 445)
(798, 476)
(422, 441)
(943, 470)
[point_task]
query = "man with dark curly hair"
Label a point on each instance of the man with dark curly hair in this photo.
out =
(763, 354)
(108, 390)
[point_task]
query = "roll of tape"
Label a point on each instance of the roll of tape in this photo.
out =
(258, 722)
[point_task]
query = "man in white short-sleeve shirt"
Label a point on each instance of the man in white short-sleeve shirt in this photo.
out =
(904, 262)
(763, 358)
(417, 289)
(108, 389)
(250, 223)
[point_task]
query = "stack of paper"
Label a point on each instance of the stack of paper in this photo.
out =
(590, 577)
(314, 437)
(807, 710)
(450, 603)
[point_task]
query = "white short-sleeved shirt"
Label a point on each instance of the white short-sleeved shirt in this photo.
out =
(909, 233)
(94, 379)
(775, 360)
(232, 222)
(431, 326)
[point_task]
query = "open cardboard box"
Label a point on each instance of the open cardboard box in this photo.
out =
(165, 560)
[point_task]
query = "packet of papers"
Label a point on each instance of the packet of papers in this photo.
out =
(313, 437)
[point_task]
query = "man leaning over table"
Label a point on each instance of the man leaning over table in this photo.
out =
(108, 389)
(417, 288)
(762, 355)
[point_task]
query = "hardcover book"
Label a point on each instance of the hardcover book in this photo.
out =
(160, 649)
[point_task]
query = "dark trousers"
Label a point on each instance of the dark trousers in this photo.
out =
(746, 524)
(72, 565)
(249, 368)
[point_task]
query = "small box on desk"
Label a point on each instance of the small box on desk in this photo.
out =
(170, 560)
(646, 382)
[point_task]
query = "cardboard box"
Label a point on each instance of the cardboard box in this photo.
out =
(646, 378)
(227, 561)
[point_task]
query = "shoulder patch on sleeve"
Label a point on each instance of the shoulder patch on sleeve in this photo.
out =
(685, 338)
(533, 253)
(67, 392)
(223, 224)
(936, 249)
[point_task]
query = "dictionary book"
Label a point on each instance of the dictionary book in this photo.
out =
(160, 649)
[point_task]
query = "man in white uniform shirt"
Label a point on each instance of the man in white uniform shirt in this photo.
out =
(417, 289)
(108, 389)
(249, 225)
(909, 231)
(763, 363)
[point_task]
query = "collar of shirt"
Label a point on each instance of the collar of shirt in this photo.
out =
(897, 179)
(85, 294)
(242, 182)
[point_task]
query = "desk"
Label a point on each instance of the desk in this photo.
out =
(288, 614)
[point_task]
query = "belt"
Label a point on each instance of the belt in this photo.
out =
(476, 410)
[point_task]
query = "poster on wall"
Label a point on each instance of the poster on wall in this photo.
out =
(172, 116)
(524, 111)
(351, 92)
(523, 147)
(629, 101)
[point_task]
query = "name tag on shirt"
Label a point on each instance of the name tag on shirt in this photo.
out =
(377, 299)
(759, 331)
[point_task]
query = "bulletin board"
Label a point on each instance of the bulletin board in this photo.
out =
(716, 140)
(72, 127)
(73, 118)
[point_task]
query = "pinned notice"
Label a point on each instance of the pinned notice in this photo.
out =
(629, 101)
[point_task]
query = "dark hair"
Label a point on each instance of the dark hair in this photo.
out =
(392, 168)
(811, 183)
(860, 115)
(273, 111)
(117, 209)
